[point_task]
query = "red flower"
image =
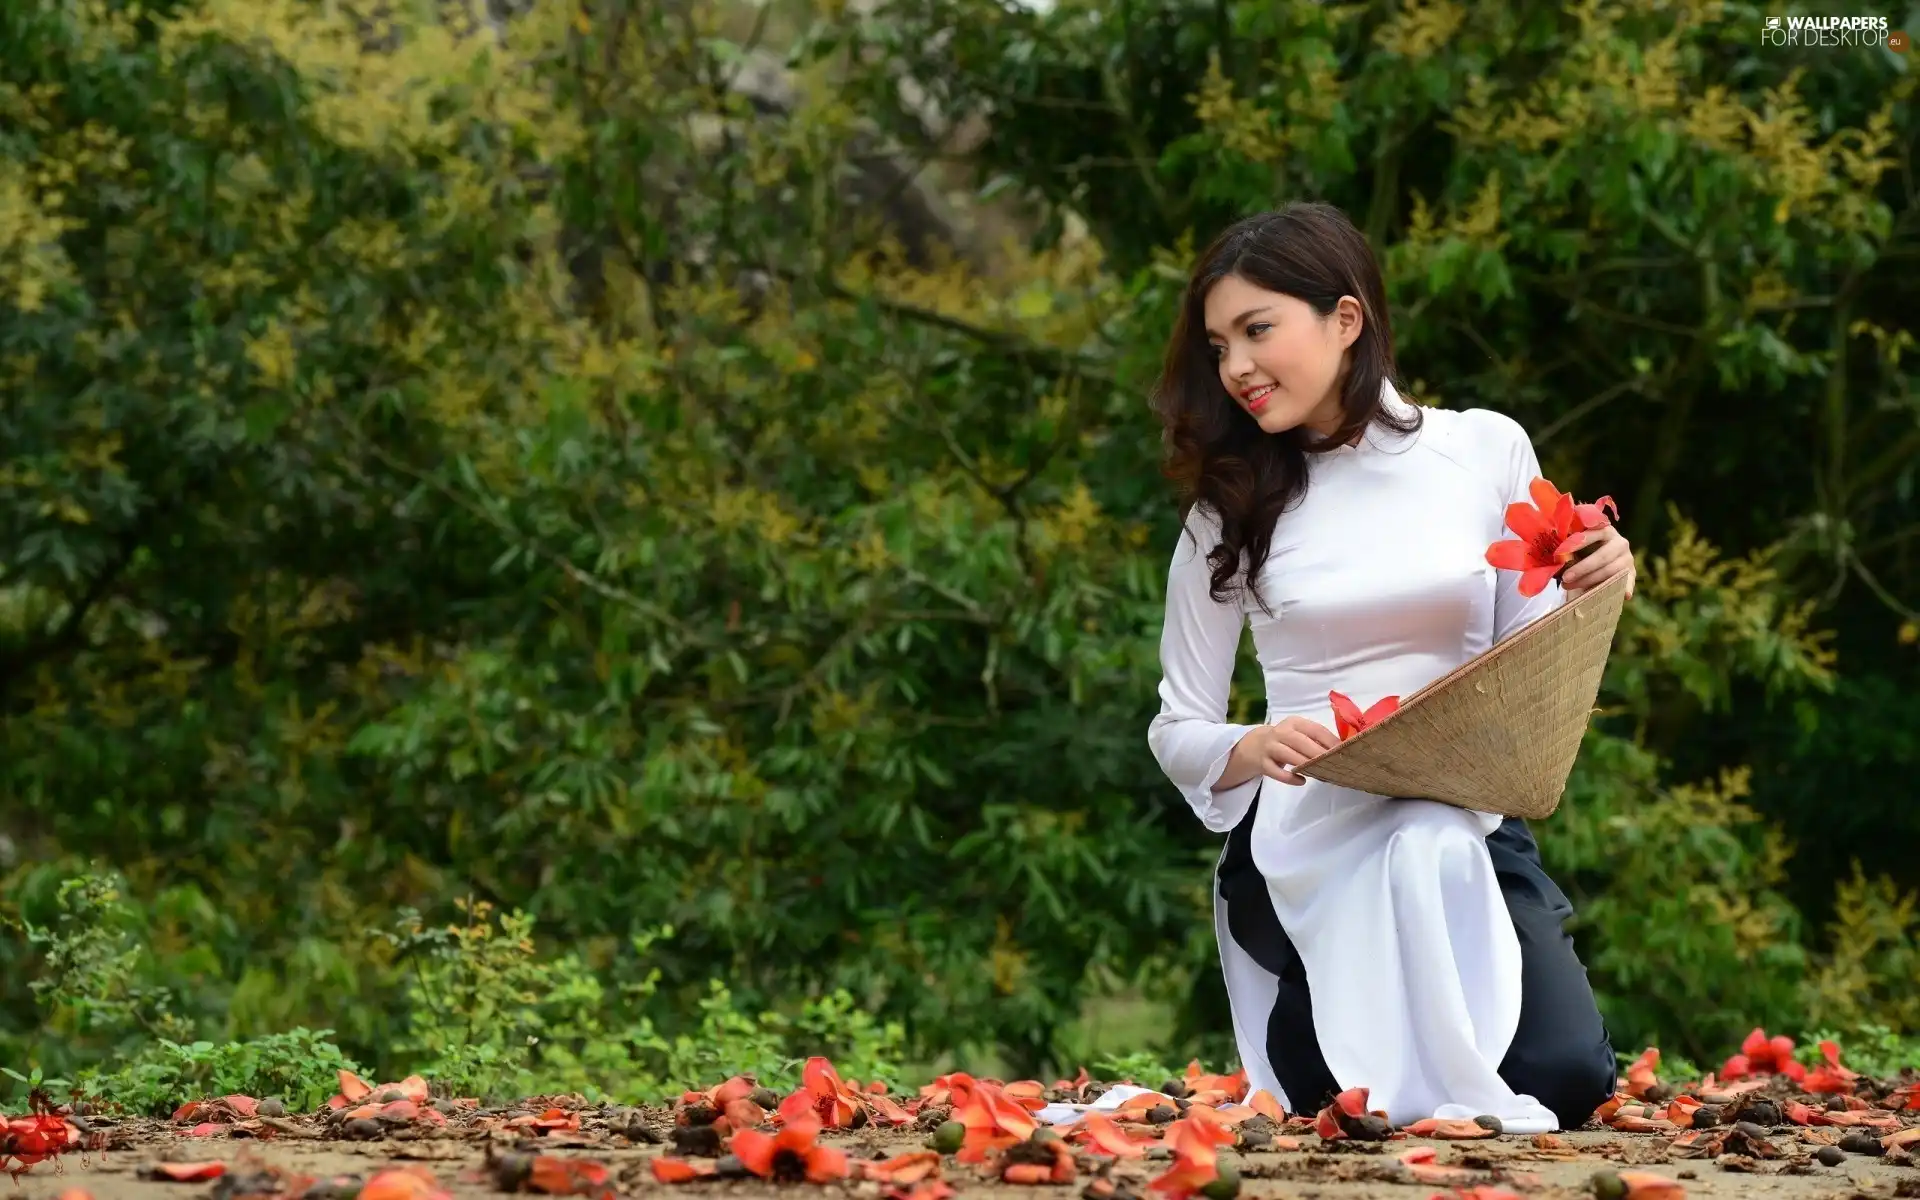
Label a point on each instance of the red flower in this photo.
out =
(1550, 531)
(1761, 1055)
(1830, 1078)
(1349, 720)
(790, 1155)
(1196, 1158)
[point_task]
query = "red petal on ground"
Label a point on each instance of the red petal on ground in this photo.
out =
(1637, 1124)
(737, 1088)
(1448, 1128)
(755, 1151)
(679, 1170)
(744, 1114)
(1184, 1179)
(1098, 1132)
(1905, 1137)
(1027, 1093)
(1352, 1102)
(886, 1110)
(1196, 1140)
(1640, 1076)
(1825, 1081)
(826, 1164)
(1431, 1172)
(187, 1112)
(206, 1129)
(353, 1088)
(903, 1169)
(189, 1172)
(1645, 1185)
(245, 1106)
(1263, 1103)
(567, 1176)
(797, 1107)
(402, 1183)
(1026, 1173)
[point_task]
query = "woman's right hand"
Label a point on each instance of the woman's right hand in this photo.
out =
(1273, 750)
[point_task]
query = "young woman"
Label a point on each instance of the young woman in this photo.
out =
(1406, 946)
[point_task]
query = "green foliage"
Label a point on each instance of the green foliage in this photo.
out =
(489, 1015)
(571, 464)
(1873, 1050)
(1141, 1066)
(299, 1067)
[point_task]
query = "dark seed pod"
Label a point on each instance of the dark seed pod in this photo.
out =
(1175, 1089)
(729, 1166)
(1830, 1156)
(1706, 1116)
(766, 1098)
(511, 1170)
(1488, 1121)
(1161, 1114)
(1761, 1111)
(363, 1129)
(699, 1114)
(1366, 1128)
(1856, 1142)
(637, 1130)
(696, 1141)
(271, 1107)
(1606, 1185)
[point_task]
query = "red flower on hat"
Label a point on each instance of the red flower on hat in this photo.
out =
(1349, 720)
(1550, 531)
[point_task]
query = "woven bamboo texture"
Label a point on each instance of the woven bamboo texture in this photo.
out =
(1500, 732)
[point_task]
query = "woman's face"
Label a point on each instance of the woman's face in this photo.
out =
(1279, 359)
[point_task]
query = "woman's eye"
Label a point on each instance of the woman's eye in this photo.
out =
(1258, 328)
(1216, 351)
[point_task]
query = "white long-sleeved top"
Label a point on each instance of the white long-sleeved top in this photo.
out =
(1377, 583)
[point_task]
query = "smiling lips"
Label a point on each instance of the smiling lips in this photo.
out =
(1256, 398)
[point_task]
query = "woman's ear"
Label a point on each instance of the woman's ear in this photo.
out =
(1349, 319)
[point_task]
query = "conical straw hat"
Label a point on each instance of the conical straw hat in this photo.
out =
(1498, 733)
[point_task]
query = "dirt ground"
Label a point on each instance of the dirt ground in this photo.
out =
(457, 1155)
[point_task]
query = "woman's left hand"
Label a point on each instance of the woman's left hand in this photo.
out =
(1609, 555)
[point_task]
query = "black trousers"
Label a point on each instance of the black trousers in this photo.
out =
(1561, 1053)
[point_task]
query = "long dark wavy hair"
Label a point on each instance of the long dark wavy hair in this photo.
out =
(1215, 452)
